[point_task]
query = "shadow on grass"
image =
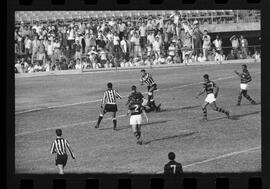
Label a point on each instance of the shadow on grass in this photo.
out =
(180, 108)
(236, 117)
(169, 137)
(127, 127)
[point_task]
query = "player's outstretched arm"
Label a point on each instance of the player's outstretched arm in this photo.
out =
(200, 93)
(69, 148)
(217, 90)
(237, 73)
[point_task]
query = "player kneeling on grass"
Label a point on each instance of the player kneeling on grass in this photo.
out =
(209, 87)
(60, 146)
(245, 79)
(135, 109)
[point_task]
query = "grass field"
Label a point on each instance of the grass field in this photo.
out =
(71, 102)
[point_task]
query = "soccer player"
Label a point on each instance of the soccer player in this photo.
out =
(60, 146)
(151, 87)
(108, 104)
(172, 167)
(211, 90)
(135, 109)
(245, 79)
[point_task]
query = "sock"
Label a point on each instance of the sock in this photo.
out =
(154, 104)
(99, 119)
(114, 123)
(136, 134)
(248, 97)
(221, 110)
(204, 112)
(239, 98)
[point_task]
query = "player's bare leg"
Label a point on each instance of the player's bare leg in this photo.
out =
(218, 109)
(100, 118)
(239, 98)
(204, 109)
(114, 120)
(61, 169)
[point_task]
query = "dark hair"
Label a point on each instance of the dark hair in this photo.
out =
(109, 85)
(171, 156)
(244, 65)
(206, 76)
(58, 132)
(133, 87)
(143, 70)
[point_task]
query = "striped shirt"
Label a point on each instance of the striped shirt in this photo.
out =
(60, 146)
(110, 96)
(209, 87)
(245, 77)
(148, 79)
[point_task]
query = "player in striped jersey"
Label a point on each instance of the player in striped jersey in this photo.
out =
(108, 104)
(60, 146)
(209, 87)
(135, 109)
(245, 79)
(151, 87)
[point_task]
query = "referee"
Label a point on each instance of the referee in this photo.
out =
(60, 146)
(108, 104)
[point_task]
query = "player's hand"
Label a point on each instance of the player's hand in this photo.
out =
(216, 94)
(73, 157)
(235, 72)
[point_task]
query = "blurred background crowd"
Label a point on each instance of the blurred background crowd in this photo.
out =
(61, 40)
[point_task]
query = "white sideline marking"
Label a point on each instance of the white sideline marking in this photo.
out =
(98, 100)
(219, 157)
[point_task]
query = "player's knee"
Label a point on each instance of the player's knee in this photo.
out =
(150, 93)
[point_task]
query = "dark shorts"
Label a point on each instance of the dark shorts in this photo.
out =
(154, 86)
(61, 160)
(110, 108)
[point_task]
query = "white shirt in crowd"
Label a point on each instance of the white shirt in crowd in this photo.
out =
(151, 38)
(156, 46)
(172, 50)
(28, 43)
(206, 41)
(218, 44)
(142, 30)
(124, 45)
(71, 35)
(116, 40)
(122, 27)
(50, 49)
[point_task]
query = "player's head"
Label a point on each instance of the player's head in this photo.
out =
(109, 85)
(58, 132)
(206, 77)
(171, 156)
(143, 71)
(244, 66)
(133, 88)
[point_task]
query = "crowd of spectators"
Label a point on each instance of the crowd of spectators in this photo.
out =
(119, 43)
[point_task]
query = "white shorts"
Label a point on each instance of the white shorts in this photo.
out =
(244, 86)
(135, 119)
(210, 98)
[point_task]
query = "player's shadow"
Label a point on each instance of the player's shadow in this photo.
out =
(236, 117)
(180, 108)
(170, 137)
(127, 127)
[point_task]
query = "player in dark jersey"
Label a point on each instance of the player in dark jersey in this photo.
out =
(60, 146)
(108, 104)
(211, 90)
(245, 79)
(151, 87)
(135, 109)
(173, 167)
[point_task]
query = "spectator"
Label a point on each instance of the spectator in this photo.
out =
(77, 48)
(218, 44)
(235, 45)
(231, 56)
(206, 44)
(201, 58)
(257, 56)
(172, 167)
(197, 39)
(244, 46)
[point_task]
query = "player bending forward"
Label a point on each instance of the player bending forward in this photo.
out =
(60, 146)
(151, 87)
(108, 104)
(135, 109)
(245, 79)
(209, 87)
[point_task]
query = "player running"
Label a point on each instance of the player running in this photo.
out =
(211, 90)
(108, 104)
(135, 109)
(151, 87)
(245, 79)
(60, 146)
